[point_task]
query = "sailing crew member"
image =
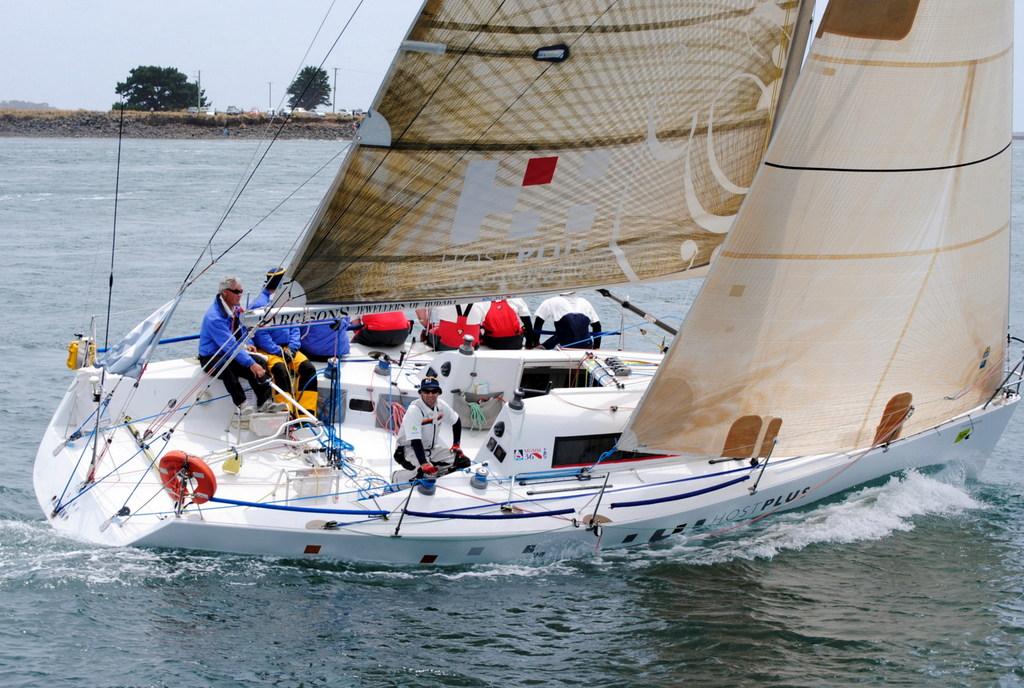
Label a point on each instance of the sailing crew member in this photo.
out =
(382, 329)
(506, 324)
(280, 346)
(572, 315)
(321, 341)
(446, 326)
(223, 350)
(419, 441)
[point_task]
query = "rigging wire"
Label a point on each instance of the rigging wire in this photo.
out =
(110, 293)
(295, 75)
(216, 259)
(113, 238)
(188, 281)
(387, 153)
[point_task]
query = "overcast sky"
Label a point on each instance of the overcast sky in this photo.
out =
(71, 53)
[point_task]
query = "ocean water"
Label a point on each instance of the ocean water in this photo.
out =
(915, 580)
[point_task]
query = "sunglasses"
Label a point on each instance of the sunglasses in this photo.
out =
(234, 291)
(430, 391)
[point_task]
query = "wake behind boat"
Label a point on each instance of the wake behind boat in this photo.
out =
(852, 324)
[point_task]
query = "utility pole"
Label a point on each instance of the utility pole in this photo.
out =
(199, 90)
(334, 93)
(270, 100)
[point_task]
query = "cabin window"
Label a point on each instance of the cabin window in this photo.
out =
(539, 380)
(364, 405)
(584, 450)
(883, 20)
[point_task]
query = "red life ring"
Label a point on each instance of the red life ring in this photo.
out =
(173, 465)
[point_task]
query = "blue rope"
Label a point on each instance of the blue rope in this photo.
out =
(605, 455)
(60, 507)
(57, 509)
(685, 495)
(370, 487)
(488, 517)
(77, 433)
(163, 413)
(542, 475)
(301, 509)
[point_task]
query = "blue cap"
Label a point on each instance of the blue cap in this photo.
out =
(429, 384)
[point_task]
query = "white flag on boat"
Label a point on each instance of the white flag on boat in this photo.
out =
(129, 356)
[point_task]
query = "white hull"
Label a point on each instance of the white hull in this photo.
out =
(637, 502)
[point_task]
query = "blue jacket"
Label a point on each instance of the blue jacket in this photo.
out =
(272, 340)
(322, 339)
(216, 335)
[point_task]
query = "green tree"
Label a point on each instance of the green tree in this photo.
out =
(310, 89)
(159, 88)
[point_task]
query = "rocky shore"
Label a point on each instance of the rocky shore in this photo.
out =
(169, 125)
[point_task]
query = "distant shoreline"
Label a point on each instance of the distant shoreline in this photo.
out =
(170, 125)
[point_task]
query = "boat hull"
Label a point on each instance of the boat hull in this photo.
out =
(629, 505)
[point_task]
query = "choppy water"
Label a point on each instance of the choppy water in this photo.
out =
(915, 580)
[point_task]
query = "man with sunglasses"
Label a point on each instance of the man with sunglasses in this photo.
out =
(223, 349)
(419, 436)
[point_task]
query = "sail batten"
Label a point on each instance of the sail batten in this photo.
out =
(867, 273)
(521, 29)
(540, 145)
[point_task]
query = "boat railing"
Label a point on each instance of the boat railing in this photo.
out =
(1014, 376)
(280, 438)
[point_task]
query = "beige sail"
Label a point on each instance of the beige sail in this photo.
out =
(867, 274)
(544, 144)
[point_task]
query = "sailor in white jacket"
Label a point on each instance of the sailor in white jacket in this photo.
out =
(419, 439)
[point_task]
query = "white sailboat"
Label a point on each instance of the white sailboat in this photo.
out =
(853, 324)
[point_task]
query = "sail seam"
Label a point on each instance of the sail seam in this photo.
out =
(866, 256)
(937, 168)
(582, 28)
(756, 120)
(906, 64)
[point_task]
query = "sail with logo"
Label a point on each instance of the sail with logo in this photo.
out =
(547, 144)
(864, 287)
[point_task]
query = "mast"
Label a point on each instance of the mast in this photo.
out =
(795, 61)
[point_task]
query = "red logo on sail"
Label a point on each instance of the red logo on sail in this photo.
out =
(540, 170)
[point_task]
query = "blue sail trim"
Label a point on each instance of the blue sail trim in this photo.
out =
(685, 495)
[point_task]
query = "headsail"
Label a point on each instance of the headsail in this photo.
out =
(542, 144)
(868, 269)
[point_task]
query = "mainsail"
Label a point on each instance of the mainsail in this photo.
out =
(867, 273)
(536, 145)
